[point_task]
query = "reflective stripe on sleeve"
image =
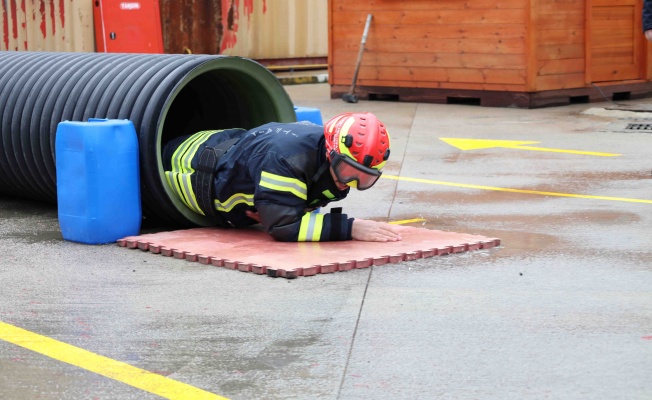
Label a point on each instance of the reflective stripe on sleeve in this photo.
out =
(311, 227)
(284, 184)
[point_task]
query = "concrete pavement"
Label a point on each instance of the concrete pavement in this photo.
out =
(562, 310)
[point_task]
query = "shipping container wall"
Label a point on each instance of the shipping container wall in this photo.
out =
(258, 29)
(283, 29)
(46, 25)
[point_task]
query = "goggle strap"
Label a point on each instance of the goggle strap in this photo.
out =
(320, 171)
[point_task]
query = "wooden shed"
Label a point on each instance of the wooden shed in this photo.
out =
(523, 53)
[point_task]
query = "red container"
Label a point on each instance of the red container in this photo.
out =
(123, 26)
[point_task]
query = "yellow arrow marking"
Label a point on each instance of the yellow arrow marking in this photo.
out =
(499, 189)
(119, 371)
(478, 144)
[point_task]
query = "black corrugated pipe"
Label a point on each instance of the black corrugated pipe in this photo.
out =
(165, 96)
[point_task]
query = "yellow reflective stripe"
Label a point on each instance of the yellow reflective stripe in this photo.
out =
(186, 183)
(172, 182)
(181, 165)
(344, 131)
(180, 184)
(174, 185)
(238, 198)
(180, 177)
(311, 226)
(192, 149)
(328, 194)
(168, 176)
(181, 153)
(284, 184)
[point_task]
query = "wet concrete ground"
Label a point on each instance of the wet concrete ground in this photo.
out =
(562, 310)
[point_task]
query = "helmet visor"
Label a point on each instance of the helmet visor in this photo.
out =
(347, 171)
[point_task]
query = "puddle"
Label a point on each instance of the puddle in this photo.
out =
(601, 176)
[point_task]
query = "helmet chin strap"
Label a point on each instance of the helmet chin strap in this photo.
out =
(323, 168)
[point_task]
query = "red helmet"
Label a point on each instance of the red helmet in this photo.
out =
(359, 136)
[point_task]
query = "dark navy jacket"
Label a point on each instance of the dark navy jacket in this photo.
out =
(647, 15)
(279, 170)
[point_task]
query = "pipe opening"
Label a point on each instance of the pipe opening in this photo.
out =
(220, 96)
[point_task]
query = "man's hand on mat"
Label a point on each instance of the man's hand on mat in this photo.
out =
(373, 231)
(363, 229)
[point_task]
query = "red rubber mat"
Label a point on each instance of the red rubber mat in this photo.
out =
(252, 250)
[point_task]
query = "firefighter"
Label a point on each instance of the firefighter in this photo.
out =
(279, 173)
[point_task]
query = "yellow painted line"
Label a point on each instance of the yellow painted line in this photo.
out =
(119, 371)
(586, 153)
(499, 189)
(407, 221)
(479, 144)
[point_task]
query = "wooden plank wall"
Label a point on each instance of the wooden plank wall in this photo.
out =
(444, 44)
(615, 41)
(559, 37)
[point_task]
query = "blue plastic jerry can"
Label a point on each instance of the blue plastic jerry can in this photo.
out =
(308, 114)
(98, 180)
